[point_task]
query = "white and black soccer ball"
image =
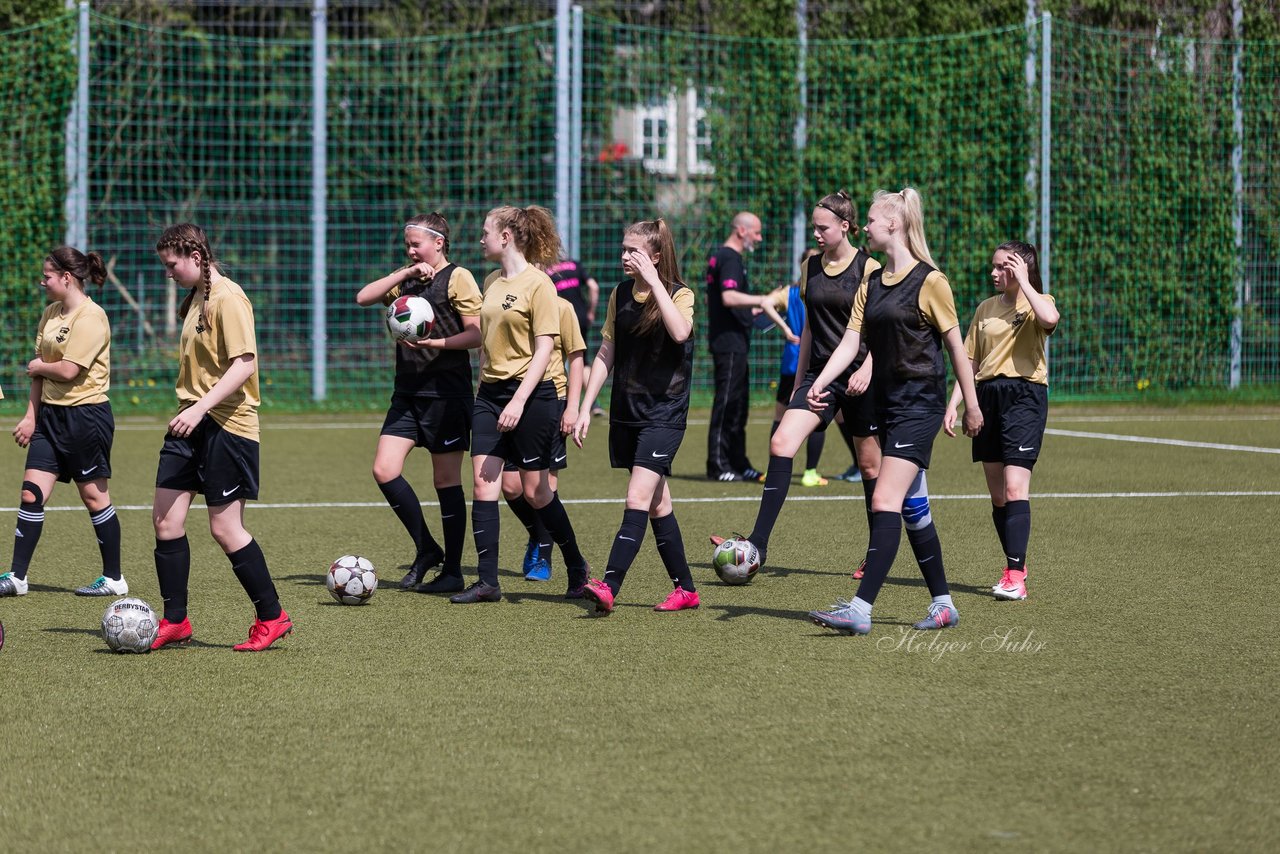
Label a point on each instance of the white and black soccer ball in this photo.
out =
(351, 580)
(129, 625)
(736, 560)
(410, 318)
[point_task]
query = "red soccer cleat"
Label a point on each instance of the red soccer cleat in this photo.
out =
(266, 632)
(858, 573)
(679, 600)
(171, 633)
(597, 591)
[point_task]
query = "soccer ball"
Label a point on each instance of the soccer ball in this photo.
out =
(351, 580)
(410, 319)
(736, 560)
(129, 625)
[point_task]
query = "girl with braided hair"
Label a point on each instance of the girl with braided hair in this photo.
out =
(212, 443)
(68, 427)
(517, 414)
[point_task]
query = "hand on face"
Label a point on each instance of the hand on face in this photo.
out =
(1016, 267)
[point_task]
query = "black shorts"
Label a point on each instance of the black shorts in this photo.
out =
(441, 425)
(786, 382)
(1014, 413)
(859, 410)
(650, 448)
(559, 454)
(73, 442)
(909, 435)
(533, 445)
(220, 465)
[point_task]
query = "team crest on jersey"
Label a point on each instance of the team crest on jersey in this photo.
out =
(62, 334)
(508, 301)
(1018, 320)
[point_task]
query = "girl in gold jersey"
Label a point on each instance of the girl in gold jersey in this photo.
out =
(68, 427)
(517, 414)
(1006, 346)
(212, 443)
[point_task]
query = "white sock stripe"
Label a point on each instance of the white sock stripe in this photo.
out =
(103, 515)
(28, 516)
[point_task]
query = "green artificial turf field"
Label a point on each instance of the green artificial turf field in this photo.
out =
(1128, 704)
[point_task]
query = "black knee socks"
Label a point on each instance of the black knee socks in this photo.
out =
(250, 567)
(484, 530)
(106, 527)
(998, 516)
(404, 502)
(813, 449)
(886, 534)
(453, 518)
(928, 551)
(27, 533)
(777, 482)
(173, 568)
(553, 515)
(666, 535)
(868, 490)
(625, 547)
(1017, 529)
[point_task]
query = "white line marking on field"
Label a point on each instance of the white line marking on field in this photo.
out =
(1150, 440)
(1161, 419)
(358, 505)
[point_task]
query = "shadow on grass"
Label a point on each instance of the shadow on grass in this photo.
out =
(68, 630)
(302, 578)
(46, 588)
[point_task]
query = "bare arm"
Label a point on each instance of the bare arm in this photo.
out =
(511, 413)
(962, 365)
(63, 370)
(239, 371)
(372, 293)
(467, 339)
(574, 392)
(953, 405)
(770, 312)
(593, 299)
(1046, 312)
(600, 369)
(27, 426)
(842, 358)
(677, 326)
(737, 299)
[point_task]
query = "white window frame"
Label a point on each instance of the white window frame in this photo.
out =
(658, 111)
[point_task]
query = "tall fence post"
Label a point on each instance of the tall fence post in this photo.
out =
(319, 213)
(575, 140)
(799, 222)
(1237, 207)
(1046, 141)
(1031, 71)
(77, 146)
(562, 119)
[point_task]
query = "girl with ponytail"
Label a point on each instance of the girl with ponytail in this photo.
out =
(517, 411)
(907, 315)
(829, 284)
(68, 428)
(648, 345)
(1006, 346)
(212, 443)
